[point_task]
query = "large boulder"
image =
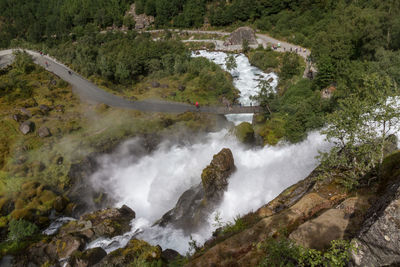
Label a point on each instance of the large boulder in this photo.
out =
(215, 176)
(194, 205)
(103, 223)
(240, 34)
(27, 127)
(245, 133)
(87, 258)
(337, 223)
(378, 241)
(135, 250)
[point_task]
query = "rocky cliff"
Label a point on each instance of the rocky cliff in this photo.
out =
(378, 241)
(194, 205)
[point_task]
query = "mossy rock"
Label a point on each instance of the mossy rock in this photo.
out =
(245, 133)
(3, 222)
(20, 203)
(47, 196)
(60, 203)
(22, 214)
(141, 250)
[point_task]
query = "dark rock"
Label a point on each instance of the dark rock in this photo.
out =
(164, 86)
(194, 205)
(181, 88)
(170, 255)
(172, 94)
(240, 34)
(27, 127)
(215, 176)
(44, 132)
(378, 241)
(155, 84)
(60, 203)
(16, 117)
(87, 258)
(44, 108)
(126, 211)
(6, 206)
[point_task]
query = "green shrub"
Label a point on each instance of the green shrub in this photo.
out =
(284, 252)
(20, 229)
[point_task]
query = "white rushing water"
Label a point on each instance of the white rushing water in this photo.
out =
(246, 79)
(151, 185)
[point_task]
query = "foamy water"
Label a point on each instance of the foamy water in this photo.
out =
(246, 79)
(151, 185)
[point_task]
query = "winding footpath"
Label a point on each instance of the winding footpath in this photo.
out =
(93, 94)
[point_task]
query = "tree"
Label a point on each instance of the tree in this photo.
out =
(359, 131)
(230, 62)
(352, 155)
(384, 109)
(245, 46)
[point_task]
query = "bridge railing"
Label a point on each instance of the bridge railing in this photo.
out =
(234, 109)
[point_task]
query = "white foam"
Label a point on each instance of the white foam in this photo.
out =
(151, 185)
(246, 80)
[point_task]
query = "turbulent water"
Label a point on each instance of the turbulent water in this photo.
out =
(246, 80)
(151, 185)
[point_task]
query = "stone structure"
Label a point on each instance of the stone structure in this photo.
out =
(240, 34)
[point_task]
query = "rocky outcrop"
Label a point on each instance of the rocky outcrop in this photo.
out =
(104, 223)
(73, 236)
(333, 224)
(240, 34)
(215, 176)
(378, 242)
(193, 207)
(142, 21)
(291, 208)
(245, 133)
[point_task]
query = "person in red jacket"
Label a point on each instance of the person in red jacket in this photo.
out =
(197, 105)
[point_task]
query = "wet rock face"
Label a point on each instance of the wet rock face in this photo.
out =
(240, 34)
(73, 236)
(378, 242)
(194, 205)
(215, 176)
